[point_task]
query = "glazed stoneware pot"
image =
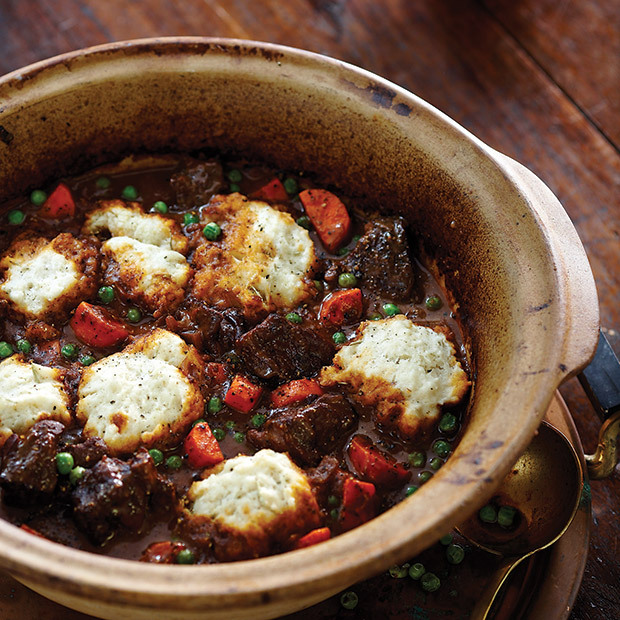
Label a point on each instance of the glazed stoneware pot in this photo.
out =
(505, 248)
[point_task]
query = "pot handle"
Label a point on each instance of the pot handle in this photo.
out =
(601, 382)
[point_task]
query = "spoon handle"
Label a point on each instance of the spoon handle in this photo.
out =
(493, 587)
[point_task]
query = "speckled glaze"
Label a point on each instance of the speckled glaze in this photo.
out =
(502, 242)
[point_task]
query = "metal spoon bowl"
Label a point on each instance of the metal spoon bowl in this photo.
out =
(545, 487)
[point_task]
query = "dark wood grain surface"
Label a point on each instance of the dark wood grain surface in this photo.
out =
(537, 80)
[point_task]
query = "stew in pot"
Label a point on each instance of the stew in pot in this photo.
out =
(205, 359)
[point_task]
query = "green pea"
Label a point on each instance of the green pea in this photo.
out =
(291, 186)
(417, 459)
(229, 425)
(448, 423)
(198, 421)
(134, 315)
(23, 346)
(318, 285)
(64, 463)
(342, 251)
(349, 599)
(356, 238)
(304, 222)
(190, 218)
(375, 316)
(103, 183)
(87, 360)
(399, 572)
(258, 419)
(16, 217)
(410, 490)
(157, 456)
(430, 582)
(239, 437)
(5, 349)
(441, 448)
(506, 516)
(160, 206)
(446, 540)
(416, 571)
(185, 556)
(391, 309)
(214, 405)
(219, 434)
(69, 351)
(332, 500)
(76, 474)
(106, 294)
(38, 197)
(293, 317)
(234, 188)
(347, 280)
(174, 462)
(425, 476)
(234, 175)
(212, 231)
(129, 192)
(433, 302)
(339, 338)
(435, 463)
(488, 514)
(455, 554)
(334, 513)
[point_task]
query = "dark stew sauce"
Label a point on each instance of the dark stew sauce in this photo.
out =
(146, 510)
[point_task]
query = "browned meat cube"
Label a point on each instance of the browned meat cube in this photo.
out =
(307, 431)
(276, 349)
(29, 473)
(195, 185)
(116, 493)
(381, 261)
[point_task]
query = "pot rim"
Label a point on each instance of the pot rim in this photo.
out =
(274, 578)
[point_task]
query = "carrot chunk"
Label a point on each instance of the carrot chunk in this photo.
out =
(313, 537)
(59, 204)
(202, 448)
(342, 306)
(294, 392)
(375, 465)
(164, 552)
(242, 394)
(328, 215)
(358, 503)
(95, 328)
(34, 532)
(273, 191)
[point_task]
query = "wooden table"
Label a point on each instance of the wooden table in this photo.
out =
(538, 80)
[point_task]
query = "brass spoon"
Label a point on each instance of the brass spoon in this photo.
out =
(545, 486)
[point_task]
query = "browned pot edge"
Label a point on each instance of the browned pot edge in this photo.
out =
(270, 570)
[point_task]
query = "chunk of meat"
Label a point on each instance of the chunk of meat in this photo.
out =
(326, 479)
(88, 453)
(29, 473)
(277, 349)
(308, 431)
(381, 261)
(195, 185)
(116, 493)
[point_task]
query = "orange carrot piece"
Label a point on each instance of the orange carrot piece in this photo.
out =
(313, 537)
(375, 465)
(202, 448)
(164, 552)
(34, 532)
(59, 204)
(94, 328)
(294, 392)
(358, 503)
(242, 395)
(342, 306)
(328, 215)
(273, 191)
